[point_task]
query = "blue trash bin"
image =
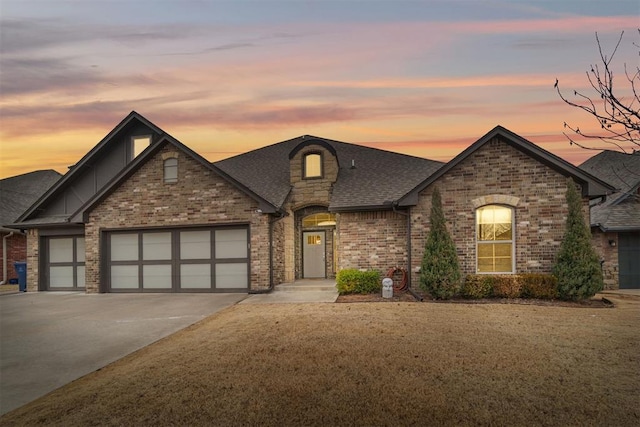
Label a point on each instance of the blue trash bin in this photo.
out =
(21, 269)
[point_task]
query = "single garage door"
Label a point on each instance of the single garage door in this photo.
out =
(178, 260)
(628, 257)
(64, 263)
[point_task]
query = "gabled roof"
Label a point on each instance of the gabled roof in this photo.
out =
(87, 159)
(378, 178)
(81, 214)
(621, 210)
(18, 193)
(594, 188)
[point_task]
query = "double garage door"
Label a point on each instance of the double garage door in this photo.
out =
(180, 260)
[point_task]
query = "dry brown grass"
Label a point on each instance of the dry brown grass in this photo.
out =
(370, 364)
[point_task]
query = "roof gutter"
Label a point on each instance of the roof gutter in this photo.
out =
(407, 215)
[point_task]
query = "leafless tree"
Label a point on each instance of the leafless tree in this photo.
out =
(618, 115)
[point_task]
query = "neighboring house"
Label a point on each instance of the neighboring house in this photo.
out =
(17, 193)
(615, 221)
(141, 212)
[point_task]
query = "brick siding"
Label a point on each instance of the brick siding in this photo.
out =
(16, 251)
(199, 197)
(372, 240)
(499, 173)
(609, 254)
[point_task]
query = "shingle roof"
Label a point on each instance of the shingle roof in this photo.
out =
(621, 210)
(18, 193)
(378, 178)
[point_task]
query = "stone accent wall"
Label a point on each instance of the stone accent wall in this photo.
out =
(33, 265)
(498, 173)
(279, 254)
(16, 251)
(313, 191)
(372, 240)
(609, 254)
(200, 197)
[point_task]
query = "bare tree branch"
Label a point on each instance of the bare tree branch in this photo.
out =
(618, 116)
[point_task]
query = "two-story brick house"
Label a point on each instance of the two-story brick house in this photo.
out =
(142, 212)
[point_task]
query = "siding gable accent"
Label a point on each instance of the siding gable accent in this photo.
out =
(81, 215)
(133, 119)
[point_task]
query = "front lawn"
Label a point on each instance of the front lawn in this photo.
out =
(370, 364)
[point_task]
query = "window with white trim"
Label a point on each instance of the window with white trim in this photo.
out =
(494, 239)
(171, 170)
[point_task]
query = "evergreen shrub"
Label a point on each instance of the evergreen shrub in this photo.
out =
(354, 281)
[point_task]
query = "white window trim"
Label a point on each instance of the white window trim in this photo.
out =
(512, 241)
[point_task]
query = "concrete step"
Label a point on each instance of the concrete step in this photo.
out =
(306, 287)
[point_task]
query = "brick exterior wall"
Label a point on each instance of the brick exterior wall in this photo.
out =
(199, 197)
(16, 251)
(372, 240)
(609, 254)
(501, 174)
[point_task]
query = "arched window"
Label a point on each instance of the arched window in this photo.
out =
(494, 239)
(171, 170)
(312, 165)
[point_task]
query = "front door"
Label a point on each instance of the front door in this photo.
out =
(313, 244)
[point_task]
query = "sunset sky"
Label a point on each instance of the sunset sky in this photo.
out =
(426, 78)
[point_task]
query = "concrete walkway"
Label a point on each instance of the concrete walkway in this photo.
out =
(48, 339)
(300, 291)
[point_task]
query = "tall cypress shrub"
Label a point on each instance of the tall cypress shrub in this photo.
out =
(577, 266)
(440, 274)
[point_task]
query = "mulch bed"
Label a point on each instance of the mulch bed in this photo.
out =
(595, 302)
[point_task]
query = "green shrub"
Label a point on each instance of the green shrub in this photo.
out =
(507, 286)
(477, 286)
(353, 281)
(543, 286)
(577, 265)
(440, 273)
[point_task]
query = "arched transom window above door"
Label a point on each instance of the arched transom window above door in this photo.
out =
(324, 219)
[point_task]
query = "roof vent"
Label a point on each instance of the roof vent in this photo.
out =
(353, 164)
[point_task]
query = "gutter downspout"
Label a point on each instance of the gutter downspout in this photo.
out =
(407, 214)
(272, 221)
(4, 257)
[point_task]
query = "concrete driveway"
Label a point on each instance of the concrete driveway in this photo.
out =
(49, 339)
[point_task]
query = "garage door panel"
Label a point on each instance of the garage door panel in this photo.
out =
(156, 246)
(203, 259)
(61, 277)
(124, 276)
(231, 276)
(195, 244)
(124, 247)
(156, 276)
(231, 244)
(195, 276)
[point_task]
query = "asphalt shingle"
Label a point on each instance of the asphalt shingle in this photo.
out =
(18, 193)
(621, 210)
(378, 178)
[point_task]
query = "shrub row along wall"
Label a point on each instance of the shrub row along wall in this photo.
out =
(542, 286)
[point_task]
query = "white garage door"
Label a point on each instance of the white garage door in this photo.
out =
(179, 260)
